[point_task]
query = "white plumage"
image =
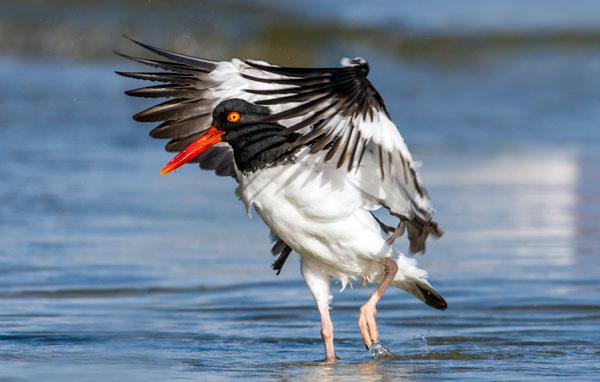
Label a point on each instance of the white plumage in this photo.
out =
(351, 160)
(323, 214)
(397, 191)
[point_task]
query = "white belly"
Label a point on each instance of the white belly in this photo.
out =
(315, 211)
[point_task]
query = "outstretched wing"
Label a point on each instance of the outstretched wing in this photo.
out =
(339, 111)
(194, 87)
(334, 110)
(193, 93)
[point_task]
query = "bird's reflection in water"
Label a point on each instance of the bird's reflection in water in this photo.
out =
(369, 371)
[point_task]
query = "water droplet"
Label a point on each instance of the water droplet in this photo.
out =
(379, 351)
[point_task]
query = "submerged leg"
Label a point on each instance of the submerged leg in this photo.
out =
(318, 282)
(366, 320)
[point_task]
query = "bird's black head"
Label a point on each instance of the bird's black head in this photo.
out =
(256, 142)
(233, 114)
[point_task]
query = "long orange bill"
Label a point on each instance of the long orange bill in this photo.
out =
(200, 145)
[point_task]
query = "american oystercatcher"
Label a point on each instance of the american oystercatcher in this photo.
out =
(315, 153)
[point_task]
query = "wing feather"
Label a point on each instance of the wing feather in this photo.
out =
(336, 110)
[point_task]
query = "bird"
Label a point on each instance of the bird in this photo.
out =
(315, 153)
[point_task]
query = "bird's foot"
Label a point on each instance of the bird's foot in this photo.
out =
(379, 351)
(368, 325)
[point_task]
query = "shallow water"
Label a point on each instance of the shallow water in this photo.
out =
(109, 271)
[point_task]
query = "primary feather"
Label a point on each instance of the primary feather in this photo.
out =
(336, 110)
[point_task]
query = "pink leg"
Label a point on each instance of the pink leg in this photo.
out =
(318, 283)
(327, 334)
(366, 320)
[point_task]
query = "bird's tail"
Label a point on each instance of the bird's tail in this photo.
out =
(414, 280)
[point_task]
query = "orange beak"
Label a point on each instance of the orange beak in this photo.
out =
(200, 145)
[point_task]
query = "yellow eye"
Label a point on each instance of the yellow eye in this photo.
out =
(234, 116)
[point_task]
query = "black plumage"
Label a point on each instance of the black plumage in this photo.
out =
(316, 97)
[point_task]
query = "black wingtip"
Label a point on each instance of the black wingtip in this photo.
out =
(204, 64)
(143, 45)
(136, 42)
(124, 55)
(160, 52)
(130, 39)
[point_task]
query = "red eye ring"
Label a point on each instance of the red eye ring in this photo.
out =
(234, 116)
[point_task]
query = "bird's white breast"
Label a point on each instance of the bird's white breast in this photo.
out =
(314, 209)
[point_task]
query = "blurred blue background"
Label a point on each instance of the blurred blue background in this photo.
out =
(109, 271)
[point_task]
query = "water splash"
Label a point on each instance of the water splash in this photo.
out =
(421, 337)
(378, 351)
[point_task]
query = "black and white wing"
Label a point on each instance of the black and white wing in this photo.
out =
(338, 111)
(194, 87)
(188, 84)
(335, 111)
